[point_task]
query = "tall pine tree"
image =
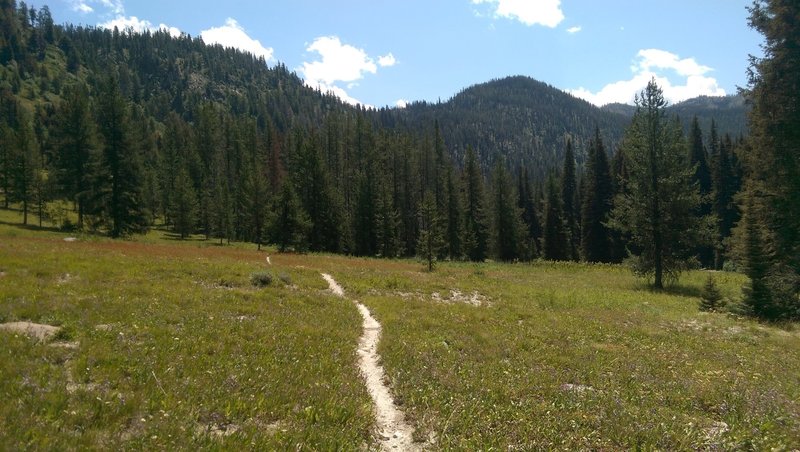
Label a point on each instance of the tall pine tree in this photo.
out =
(773, 161)
(597, 202)
(569, 191)
(555, 236)
(476, 226)
(119, 185)
(658, 205)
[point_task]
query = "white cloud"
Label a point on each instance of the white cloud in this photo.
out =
(401, 103)
(573, 30)
(233, 35)
(340, 63)
(81, 6)
(530, 12)
(387, 60)
(655, 64)
(115, 6)
(138, 25)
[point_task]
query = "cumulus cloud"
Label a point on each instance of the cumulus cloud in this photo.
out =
(657, 64)
(530, 12)
(81, 6)
(233, 35)
(573, 30)
(138, 25)
(115, 6)
(387, 60)
(401, 103)
(340, 63)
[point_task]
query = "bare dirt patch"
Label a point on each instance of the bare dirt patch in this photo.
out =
(393, 431)
(36, 331)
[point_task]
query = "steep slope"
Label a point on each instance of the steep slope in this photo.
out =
(523, 120)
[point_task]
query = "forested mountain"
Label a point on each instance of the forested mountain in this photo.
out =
(134, 130)
(728, 112)
(523, 120)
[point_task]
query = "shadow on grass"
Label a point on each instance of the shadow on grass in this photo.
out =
(671, 289)
(31, 227)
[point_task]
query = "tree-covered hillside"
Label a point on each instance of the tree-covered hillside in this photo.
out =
(525, 121)
(116, 131)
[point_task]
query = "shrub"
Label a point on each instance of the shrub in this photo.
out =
(285, 278)
(261, 279)
(711, 299)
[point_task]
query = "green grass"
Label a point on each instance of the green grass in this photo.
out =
(172, 344)
(190, 343)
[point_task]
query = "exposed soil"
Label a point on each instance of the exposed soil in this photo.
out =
(393, 431)
(34, 330)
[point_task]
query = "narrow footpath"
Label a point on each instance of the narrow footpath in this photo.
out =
(393, 431)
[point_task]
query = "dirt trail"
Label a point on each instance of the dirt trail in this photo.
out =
(393, 431)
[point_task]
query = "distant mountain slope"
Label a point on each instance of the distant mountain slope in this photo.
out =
(528, 122)
(729, 113)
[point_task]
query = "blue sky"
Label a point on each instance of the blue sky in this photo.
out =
(386, 52)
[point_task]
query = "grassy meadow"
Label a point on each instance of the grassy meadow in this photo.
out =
(167, 345)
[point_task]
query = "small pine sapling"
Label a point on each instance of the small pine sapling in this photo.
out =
(711, 299)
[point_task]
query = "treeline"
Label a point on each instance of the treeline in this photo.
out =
(152, 144)
(171, 138)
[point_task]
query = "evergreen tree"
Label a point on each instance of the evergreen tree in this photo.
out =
(507, 228)
(726, 184)
(772, 162)
(455, 224)
(183, 204)
(530, 217)
(757, 294)
(657, 207)
(317, 197)
(702, 178)
(711, 298)
(598, 198)
(289, 225)
(255, 200)
(24, 166)
(119, 185)
(389, 225)
(476, 229)
(7, 139)
(75, 144)
(431, 231)
(569, 191)
(555, 239)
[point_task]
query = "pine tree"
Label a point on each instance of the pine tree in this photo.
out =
(289, 225)
(597, 203)
(431, 231)
(24, 166)
(569, 191)
(555, 238)
(530, 217)
(657, 207)
(119, 179)
(454, 215)
(757, 294)
(507, 227)
(476, 229)
(183, 204)
(255, 201)
(702, 177)
(316, 194)
(772, 162)
(711, 298)
(75, 139)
